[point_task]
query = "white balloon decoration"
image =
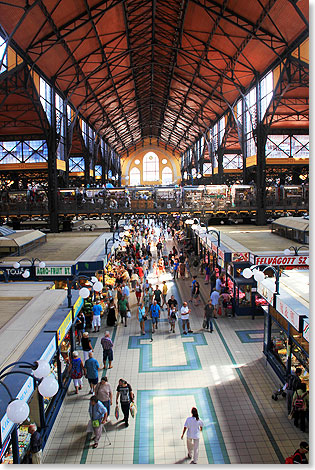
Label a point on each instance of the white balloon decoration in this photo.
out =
(98, 286)
(16, 265)
(42, 370)
(94, 279)
(26, 274)
(18, 411)
(247, 273)
(48, 387)
(84, 293)
(42, 264)
(259, 276)
(287, 252)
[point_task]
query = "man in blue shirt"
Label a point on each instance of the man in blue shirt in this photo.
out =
(91, 368)
(97, 310)
(125, 291)
(98, 416)
(155, 310)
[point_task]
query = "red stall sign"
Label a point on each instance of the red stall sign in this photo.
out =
(283, 260)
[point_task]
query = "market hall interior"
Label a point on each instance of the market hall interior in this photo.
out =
(183, 126)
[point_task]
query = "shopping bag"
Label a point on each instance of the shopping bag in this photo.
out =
(117, 412)
(128, 314)
(133, 409)
(204, 324)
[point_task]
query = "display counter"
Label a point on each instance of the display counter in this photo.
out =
(24, 441)
(286, 344)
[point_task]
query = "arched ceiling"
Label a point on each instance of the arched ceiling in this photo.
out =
(161, 69)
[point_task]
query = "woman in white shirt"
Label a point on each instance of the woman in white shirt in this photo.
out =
(193, 425)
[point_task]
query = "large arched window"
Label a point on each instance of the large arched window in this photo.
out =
(151, 167)
(167, 175)
(134, 177)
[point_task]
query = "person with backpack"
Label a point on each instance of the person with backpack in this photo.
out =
(299, 456)
(299, 406)
(292, 384)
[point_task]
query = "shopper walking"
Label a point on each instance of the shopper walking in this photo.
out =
(98, 416)
(91, 368)
(158, 295)
(184, 314)
(196, 293)
(124, 391)
(86, 345)
(164, 294)
(208, 315)
(155, 310)
(80, 326)
(215, 301)
(76, 370)
(146, 300)
(107, 346)
(193, 425)
(123, 306)
(141, 316)
(103, 392)
(138, 291)
(207, 272)
(111, 314)
(97, 310)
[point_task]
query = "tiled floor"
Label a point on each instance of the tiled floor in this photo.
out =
(224, 374)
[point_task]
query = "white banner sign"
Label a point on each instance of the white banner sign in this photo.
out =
(265, 293)
(53, 271)
(24, 394)
(283, 260)
(288, 313)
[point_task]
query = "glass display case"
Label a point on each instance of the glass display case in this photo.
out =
(279, 344)
(24, 442)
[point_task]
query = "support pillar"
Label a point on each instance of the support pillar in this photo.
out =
(261, 139)
(220, 154)
(52, 171)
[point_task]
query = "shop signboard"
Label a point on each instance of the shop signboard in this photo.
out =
(77, 307)
(238, 257)
(64, 327)
(53, 271)
(24, 394)
(283, 260)
(306, 329)
(220, 253)
(265, 292)
(214, 248)
(221, 262)
(15, 274)
(49, 351)
(288, 313)
(85, 267)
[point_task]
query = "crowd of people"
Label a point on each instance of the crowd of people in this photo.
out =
(142, 257)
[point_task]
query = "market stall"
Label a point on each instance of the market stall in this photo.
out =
(286, 331)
